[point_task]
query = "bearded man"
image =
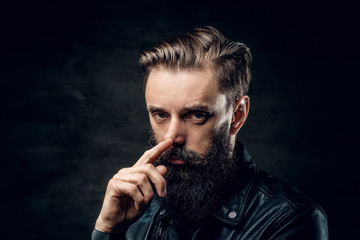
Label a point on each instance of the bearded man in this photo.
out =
(196, 181)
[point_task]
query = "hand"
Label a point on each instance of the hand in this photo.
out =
(130, 191)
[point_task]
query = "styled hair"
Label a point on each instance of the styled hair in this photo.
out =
(204, 47)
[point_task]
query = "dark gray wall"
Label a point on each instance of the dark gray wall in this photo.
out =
(73, 110)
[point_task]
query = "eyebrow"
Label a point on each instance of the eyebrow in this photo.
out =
(195, 107)
(155, 109)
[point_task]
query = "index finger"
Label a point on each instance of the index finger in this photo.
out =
(150, 155)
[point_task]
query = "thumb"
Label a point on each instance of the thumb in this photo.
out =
(161, 169)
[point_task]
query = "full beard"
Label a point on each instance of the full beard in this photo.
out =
(194, 188)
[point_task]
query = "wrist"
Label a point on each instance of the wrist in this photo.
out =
(106, 227)
(102, 226)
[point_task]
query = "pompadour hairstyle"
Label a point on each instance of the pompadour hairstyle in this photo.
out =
(204, 47)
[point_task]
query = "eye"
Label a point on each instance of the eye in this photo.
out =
(159, 116)
(198, 117)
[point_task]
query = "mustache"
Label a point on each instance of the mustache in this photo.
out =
(179, 152)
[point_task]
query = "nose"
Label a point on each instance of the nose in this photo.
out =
(176, 131)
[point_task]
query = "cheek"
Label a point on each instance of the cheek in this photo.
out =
(223, 120)
(199, 138)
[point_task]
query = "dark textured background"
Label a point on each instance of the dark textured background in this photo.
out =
(73, 111)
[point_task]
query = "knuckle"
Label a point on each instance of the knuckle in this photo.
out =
(138, 198)
(133, 188)
(149, 167)
(143, 178)
(149, 196)
(111, 182)
(122, 171)
(116, 176)
(147, 153)
(142, 200)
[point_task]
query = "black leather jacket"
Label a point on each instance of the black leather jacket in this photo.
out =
(257, 206)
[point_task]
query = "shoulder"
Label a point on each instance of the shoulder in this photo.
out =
(275, 192)
(261, 190)
(284, 209)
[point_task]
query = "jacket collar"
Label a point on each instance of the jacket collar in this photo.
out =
(232, 208)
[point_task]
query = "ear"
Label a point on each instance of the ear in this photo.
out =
(240, 114)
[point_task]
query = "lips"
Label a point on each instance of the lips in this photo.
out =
(176, 161)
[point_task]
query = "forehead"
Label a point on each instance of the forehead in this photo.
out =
(178, 89)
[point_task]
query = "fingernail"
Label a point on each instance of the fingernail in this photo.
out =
(164, 192)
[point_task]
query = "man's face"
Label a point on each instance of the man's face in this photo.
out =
(187, 107)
